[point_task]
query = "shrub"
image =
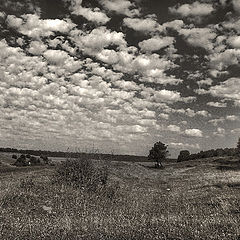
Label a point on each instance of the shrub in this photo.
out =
(81, 173)
(21, 161)
(14, 156)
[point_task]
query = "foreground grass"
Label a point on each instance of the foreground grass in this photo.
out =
(184, 201)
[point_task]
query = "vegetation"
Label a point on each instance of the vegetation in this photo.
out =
(81, 173)
(182, 202)
(220, 152)
(28, 160)
(183, 156)
(93, 154)
(158, 153)
(238, 148)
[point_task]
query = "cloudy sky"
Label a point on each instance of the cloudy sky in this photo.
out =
(119, 74)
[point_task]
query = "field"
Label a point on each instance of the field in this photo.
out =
(197, 199)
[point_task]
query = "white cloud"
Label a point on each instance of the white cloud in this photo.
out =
(175, 24)
(215, 122)
(32, 26)
(37, 48)
(193, 10)
(143, 25)
(173, 128)
(94, 15)
(199, 37)
(184, 145)
(232, 117)
(56, 56)
(228, 90)
(221, 61)
(207, 82)
(155, 43)
(121, 7)
(220, 132)
(234, 41)
(217, 104)
(193, 132)
(236, 5)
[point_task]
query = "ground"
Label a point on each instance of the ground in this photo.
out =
(197, 199)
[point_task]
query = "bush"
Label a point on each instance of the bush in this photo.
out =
(14, 156)
(81, 173)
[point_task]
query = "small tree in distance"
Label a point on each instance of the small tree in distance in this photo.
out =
(238, 149)
(158, 153)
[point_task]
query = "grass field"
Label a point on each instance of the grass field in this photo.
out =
(197, 199)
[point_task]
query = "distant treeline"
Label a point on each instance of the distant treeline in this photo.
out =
(220, 152)
(61, 154)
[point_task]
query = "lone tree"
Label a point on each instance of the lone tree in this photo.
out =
(158, 153)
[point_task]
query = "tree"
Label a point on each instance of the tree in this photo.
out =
(158, 153)
(183, 156)
(238, 148)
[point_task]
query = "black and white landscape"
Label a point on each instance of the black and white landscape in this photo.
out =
(101, 82)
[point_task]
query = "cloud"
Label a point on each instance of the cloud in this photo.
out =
(217, 104)
(155, 43)
(236, 5)
(120, 7)
(228, 90)
(56, 56)
(215, 122)
(221, 61)
(173, 128)
(232, 117)
(193, 133)
(184, 145)
(32, 26)
(207, 82)
(199, 37)
(192, 10)
(93, 15)
(37, 47)
(143, 25)
(234, 41)
(220, 132)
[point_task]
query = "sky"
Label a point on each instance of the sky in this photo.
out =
(119, 75)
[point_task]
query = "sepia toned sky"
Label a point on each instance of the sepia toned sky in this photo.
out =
(119, 75)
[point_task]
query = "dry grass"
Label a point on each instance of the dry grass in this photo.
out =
(191, 200)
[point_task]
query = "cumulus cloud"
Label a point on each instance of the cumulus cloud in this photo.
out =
(232, 117)
(236, 5)
(37, 47)
(32, 26)
(199, 37)
(124, 7)
(217, 104)
(193, 10)
(228, 90)
(155, 43)
(234, 41)
(184, 145)
(173, 128)
(220, 132)
(220, 61)
(143, 25)
(93, 15)
(193, 132)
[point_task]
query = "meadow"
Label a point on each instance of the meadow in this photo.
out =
(198, 199)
